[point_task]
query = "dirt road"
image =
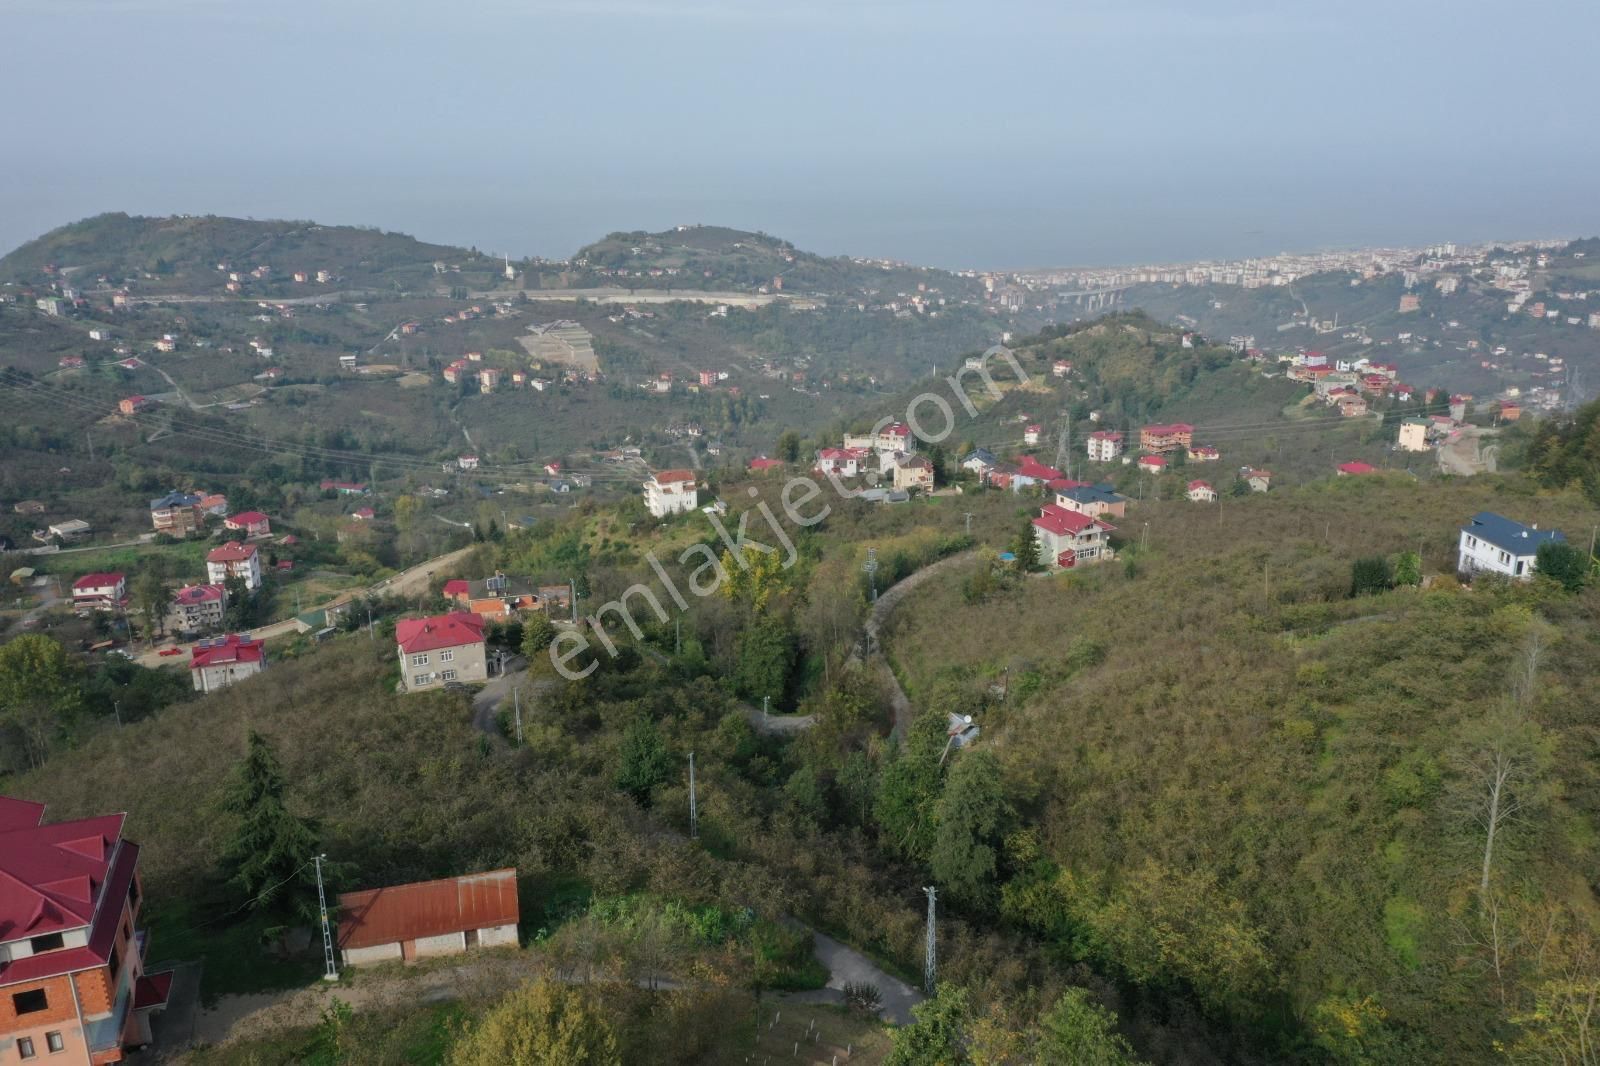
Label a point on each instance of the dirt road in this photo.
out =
(411, 582)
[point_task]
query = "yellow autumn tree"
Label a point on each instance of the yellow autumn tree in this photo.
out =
(541, 1024)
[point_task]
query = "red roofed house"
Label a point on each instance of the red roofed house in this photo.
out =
(132, 405)
(1031, 434)
(1104, 445)
(761, 464)
(1161, 439)
(1152, 464)
(216, 664)
(363, 514)
(1067, 538)
(445, 917)
(671, 492)
(1356, 469)
(895, 437)
(1202, 492)
(1258, 480)
(498, 596)
(1030, 472)
(1203, 453)
(254, 523)
(199, 607)
(441, 649)
(842, 462)
(234, 559)
(72, 981)
(100, 592)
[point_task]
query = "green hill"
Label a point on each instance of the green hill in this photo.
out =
(183, 252)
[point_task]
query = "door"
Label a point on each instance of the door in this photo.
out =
(408, 951)
(472, 939)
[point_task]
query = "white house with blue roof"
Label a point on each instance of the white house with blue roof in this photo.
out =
(1495, 544)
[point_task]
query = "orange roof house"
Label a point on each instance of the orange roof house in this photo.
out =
(425, 918)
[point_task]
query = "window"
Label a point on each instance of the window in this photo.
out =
(419, 680)
(54, 1042)
(45, 943)
(133, 892)
(419, 660)
(25, 1047)
(447, 656)
(447, 675)
(115, 962)
(30, 1002)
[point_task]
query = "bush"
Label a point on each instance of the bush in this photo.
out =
(863, 997)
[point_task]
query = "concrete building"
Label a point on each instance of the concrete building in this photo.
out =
(429, 918)
(671, 492)
(1494, 544)
(72, 982)
(1414, 435)
(234, 559)
(196, 608)
(440, 650)
(216, 664)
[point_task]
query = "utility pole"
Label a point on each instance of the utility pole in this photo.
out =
(370, 636)
(331, 971)
(871, 567)
(117, 708)
(766, 702)
(930, 962)
(516, 702)
(1144, 538)
(677, 635)
(572, 594)
(694, 810)
(968, 516)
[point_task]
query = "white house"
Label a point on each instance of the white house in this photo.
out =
(1494, 544)
(1104, 445)
(841, 462)
(671, 492)
(1202, 492)
(1067, 538)
(216, 664)
(101, 591)
(234, 559)
(1414, 435)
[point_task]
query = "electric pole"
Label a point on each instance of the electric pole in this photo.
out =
(331, 972)
(930, 964)
(968, 516)
(516, 703)
(694, 810)
(871, 567)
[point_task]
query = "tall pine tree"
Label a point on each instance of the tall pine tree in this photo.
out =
(269, 856)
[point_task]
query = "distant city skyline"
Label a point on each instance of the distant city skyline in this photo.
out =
(999, 136)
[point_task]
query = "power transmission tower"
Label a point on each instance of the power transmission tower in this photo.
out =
(331, 971)
(930, 965)
(694, 810)
(1064, 447)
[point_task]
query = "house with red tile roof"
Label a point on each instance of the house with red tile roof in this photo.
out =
(761, 464)
(100, 592)
(1153, 464)
(1104, 445)
(1162, 438)
(441, 649)
(253, 523)
(427, 918)
(1356, 469)
(72, 981)
(1067, 539)
(671, 492)
(842, 462)
(199, 607)
(1202, 492)
(216, 664)
(234, 559)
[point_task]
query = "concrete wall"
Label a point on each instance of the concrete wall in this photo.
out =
(498, 936)
(376, 953)
(448, 944)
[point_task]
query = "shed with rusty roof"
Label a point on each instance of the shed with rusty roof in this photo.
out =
(426, 918)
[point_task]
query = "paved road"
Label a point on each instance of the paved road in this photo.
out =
(847, 965)
(406, 583)
(901, 703)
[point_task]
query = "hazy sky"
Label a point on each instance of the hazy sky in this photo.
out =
(1001, 133)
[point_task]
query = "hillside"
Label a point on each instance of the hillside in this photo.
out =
(186, 253)
(715, 257)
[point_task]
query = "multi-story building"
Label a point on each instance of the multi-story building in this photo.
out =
(441, 649)
(671, 492)
(196, 608)
(1494, 544)
(1162, 439)
(176, 513)
(1067, 539)
(234, 559)
(99, 592)
(72, 982)
(216, 664)
(1414, 435)
(1104, 445)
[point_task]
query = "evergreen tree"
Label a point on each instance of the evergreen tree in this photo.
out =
(269, 856)
(1562, 563)
(939, 1035)
(644, 761)
(1368, 577)
(969, 815)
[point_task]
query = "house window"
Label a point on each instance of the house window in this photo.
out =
(46, 943)
(25, 1047)
(115, 962)
(54, 1042)
(419, 680)
(447, 675)
(30, 1002)
(419, 660)
(447, 656)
